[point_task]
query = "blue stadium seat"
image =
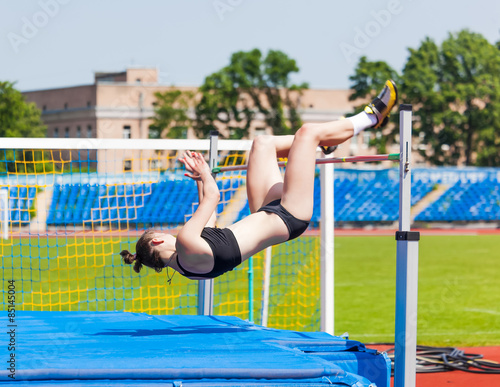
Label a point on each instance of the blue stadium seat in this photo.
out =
(25, 216)
(465, 201)
(359, 197)
(23, 192)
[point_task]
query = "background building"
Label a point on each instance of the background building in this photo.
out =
(121, 104)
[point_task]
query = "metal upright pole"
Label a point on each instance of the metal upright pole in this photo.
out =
(327, 274)
(266, 285)
(206, 287)
(4, 204)
(250, 289)
(406, 265)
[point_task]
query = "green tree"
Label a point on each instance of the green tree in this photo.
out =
(19, 118)
(251, 84)
(171, 119)
(455, 92)
(369, 78)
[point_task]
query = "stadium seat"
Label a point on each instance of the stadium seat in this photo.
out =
(465, 201)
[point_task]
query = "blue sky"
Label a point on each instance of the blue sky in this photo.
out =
(55, 43)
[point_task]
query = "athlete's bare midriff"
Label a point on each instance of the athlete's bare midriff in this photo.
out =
(258, 231)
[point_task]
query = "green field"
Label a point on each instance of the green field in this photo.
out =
(458, 295)
(459, 285)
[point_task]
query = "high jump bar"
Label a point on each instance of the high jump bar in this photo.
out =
(332, 160)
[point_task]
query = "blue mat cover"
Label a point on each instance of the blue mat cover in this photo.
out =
(130, 349)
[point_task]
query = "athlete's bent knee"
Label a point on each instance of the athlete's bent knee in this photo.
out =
(307, 131)
(264, 141)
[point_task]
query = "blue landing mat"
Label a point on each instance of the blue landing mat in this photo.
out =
(130, 349)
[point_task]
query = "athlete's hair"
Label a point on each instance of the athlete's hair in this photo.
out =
(145, 254)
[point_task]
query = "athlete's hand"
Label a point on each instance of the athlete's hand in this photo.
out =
(195, 165)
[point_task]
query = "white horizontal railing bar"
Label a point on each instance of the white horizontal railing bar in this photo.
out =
(334, 160)
(113, 143)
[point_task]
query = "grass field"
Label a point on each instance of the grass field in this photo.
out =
(458, 295)
(459, 285)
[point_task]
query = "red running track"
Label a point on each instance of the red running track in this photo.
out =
(459, 378)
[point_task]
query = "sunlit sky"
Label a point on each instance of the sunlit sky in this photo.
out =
(57, 43)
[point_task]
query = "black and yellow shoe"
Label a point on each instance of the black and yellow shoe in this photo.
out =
(329, 149)
(382, 105)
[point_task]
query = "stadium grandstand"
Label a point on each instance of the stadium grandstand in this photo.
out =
(362, 197)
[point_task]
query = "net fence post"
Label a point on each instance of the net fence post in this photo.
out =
(405, 339)
(206, 287)
(266, 286)
(327, 251)
(4, 207)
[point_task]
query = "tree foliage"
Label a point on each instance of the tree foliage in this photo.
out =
(250, 85)
(19, 118)
(369, 78)
(455, 92)
(171, 119)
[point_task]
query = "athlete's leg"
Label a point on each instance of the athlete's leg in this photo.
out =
(264, 179)
(298, 187)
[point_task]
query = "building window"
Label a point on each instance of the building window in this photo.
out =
(153, 133)
(78, 131)
(127, 165)
(260, 131)
(154, 164)
(127, 131)
(44, 107)
(56, 132)
(89, 104)
(66, 132)
(66, 106)
(89, 131)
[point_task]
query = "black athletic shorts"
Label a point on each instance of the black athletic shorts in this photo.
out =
(296, 227)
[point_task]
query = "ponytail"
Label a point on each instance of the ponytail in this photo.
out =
(129, 258)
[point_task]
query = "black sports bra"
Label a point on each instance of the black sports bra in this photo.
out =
(225, 250)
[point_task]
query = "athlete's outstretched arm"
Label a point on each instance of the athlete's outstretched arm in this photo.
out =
(198, 169)
(211, 222)
(199, 185)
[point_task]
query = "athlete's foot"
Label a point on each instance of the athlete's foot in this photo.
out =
(382, 105)
(329, 149)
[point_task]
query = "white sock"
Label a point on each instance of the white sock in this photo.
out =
(362, 121)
